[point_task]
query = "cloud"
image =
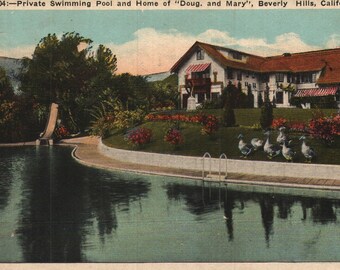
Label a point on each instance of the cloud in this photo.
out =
(153, 51)
(18, 52)
(333, 41)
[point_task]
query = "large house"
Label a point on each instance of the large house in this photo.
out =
(205, 69)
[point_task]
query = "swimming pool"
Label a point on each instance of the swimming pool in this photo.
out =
(53, 209)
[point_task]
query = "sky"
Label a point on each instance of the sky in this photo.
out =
(152, 41)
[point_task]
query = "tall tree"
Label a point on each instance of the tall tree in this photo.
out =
(6, 89)
(66, 71)
(267, 117)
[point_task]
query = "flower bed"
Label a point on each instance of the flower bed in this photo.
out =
(325, 128)
(210, 122)
(320, 127)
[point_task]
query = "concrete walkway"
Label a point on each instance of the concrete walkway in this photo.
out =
(87, 153)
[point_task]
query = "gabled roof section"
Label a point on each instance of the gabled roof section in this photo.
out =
(252, 64)
(327, 61)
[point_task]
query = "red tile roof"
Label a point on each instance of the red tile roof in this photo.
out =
(326, 60)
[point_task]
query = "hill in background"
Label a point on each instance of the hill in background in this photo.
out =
(12, 67)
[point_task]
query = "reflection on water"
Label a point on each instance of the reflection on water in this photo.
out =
(55, 210)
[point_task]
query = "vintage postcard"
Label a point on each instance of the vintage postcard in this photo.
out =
(169, 134)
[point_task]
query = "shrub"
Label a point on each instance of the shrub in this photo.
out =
(212, 104)
(61, 132)
(325, 128)
(259, 100)
(229, 117)
(266, 111)
(103, 125)
(140, 136)
(210, 125)
(250, 98)
(266, 115)
(174, 137)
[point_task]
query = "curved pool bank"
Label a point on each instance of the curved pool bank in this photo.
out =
(265, 168)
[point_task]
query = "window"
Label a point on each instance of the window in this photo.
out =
(254, 85)
(313, 77)
(279, 77)
(253, 75)
(230, 74)
(279, 97)
(239, 76)
(245, 83)
(247, 74)
(237, 55)
(337, 96)
(200, 54)
(307, 77)
(265, 78)
(289, 78)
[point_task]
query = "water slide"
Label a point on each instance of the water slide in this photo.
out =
(46, 136)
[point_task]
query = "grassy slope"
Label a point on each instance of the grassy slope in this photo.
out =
(225, 141)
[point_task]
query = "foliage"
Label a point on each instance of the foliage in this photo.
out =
(212, 104)
(67, 72)
(325, 128)
(110, 115)
(267, 117)
(6, 89)
(250, 98)
(165, 93)
(210, 125)
(174, 137)
(133, 91)
(233, 96)
(229, 119)
(316, 102)
(140, 136)
(295, 126)
(61, 132)
(15, 122)
(259, 100)
(279, 122)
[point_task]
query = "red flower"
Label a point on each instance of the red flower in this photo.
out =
(140, 136)
(173, 136)
(279, 122)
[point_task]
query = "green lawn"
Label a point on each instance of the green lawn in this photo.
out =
(225, 140)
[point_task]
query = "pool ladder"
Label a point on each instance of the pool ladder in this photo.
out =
(214, 177)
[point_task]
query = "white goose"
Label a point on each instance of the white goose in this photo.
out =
(287, 152)
(306, 150)
(245, 148)
(281, 138)
(270, 149)
(256, 143)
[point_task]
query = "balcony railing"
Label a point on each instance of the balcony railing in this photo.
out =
(198, 82)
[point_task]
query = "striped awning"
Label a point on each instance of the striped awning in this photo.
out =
(197, 68)
(317, 92)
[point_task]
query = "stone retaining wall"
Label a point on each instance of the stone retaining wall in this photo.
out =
(315, 171)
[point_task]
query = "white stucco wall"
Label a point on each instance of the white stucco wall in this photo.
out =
(297, 170)
(214, 67)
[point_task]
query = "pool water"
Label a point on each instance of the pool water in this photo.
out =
(53, 209)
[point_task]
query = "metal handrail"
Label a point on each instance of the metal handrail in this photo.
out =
(203, 159)
(223, 156)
